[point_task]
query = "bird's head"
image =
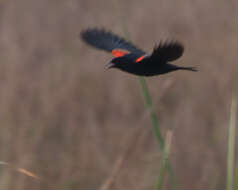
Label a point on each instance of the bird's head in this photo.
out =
(118, 62)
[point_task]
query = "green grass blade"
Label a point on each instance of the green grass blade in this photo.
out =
(165, 159)
(236, 179)
(157, 131)
(231, 144)
(152, 113)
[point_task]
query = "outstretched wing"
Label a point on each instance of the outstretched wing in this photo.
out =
(168, 51)
(101, 39)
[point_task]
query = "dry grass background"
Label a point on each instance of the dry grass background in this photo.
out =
(65, 118)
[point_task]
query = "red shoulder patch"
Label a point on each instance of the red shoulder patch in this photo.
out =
(119, 52)
(140, 59)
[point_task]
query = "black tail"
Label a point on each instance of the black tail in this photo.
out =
(188, 68)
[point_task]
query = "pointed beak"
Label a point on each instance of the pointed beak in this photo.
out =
(109, 65)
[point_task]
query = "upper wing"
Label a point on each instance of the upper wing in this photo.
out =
(101, 39)
(168, 51)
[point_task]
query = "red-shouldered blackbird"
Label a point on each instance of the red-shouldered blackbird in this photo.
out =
(133, 60)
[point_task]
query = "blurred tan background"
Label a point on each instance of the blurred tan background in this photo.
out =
(66, 119)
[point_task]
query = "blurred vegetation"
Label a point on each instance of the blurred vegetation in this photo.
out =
(66, 119)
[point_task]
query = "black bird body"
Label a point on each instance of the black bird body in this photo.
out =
(145, 67)
(130, 59)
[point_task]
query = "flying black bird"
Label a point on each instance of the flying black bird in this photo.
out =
(130, 59)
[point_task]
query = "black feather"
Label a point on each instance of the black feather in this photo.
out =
(167, 51)
(101, 39)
